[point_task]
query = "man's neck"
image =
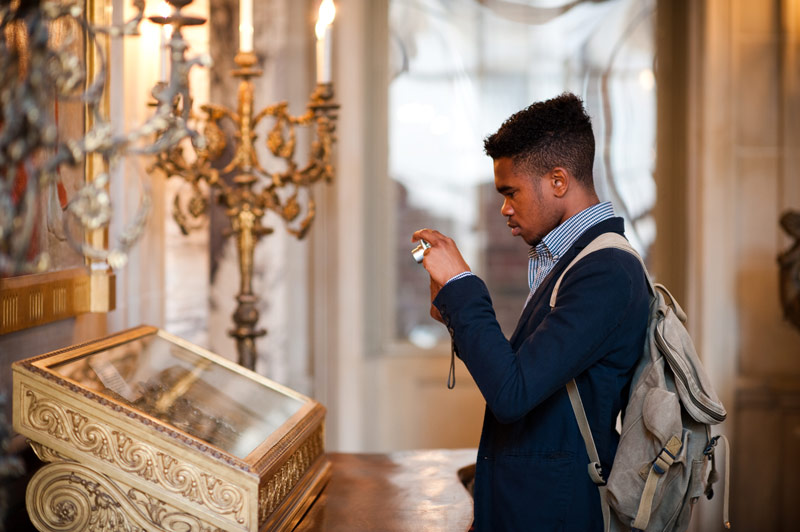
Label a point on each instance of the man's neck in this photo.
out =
(581, 200)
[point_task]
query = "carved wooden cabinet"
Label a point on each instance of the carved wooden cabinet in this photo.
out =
(144, 431)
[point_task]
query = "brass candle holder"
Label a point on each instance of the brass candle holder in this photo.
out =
(254, 190)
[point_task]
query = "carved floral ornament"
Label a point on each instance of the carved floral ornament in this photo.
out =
(64, 493)
(273, 492)
(70, 497)
(141, 472)
(95, 438)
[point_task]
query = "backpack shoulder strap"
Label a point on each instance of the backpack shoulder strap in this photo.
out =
(595, 469)
(606, 240)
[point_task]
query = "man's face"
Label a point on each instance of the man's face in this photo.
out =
(529, 204)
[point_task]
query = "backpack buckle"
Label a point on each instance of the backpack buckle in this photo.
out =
(709, 450)
(596, 473)
(666, 457)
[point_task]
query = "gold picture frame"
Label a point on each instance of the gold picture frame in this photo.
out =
(36, 299)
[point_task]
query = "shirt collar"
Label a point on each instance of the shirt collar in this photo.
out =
(559, 240)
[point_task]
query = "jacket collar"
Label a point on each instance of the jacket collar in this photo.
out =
(611, 225)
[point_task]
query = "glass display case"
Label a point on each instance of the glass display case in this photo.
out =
(145, 431)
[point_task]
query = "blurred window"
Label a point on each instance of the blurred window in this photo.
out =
(459, 69)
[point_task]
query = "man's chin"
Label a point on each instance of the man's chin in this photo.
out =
(533, 242)
(517, 232)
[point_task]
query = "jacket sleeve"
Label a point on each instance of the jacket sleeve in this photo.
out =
(595, 296)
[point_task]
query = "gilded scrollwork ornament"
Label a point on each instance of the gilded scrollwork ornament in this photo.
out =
(162, 435)
(166, 517)
(274, 490)
(96, 439)
(46, 454)
(71, 497)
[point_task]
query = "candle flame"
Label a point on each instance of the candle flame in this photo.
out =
(163, 10)
(327, 12)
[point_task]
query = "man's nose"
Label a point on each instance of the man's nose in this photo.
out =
(506, 209)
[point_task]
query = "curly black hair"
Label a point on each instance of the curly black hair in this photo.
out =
(555, 132)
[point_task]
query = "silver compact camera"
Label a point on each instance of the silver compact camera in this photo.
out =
(419, 252)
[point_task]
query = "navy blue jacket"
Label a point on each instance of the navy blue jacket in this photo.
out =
(531, 470)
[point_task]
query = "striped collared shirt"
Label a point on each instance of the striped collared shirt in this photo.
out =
(544, 256)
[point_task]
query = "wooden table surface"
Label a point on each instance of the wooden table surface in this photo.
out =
(397, 492)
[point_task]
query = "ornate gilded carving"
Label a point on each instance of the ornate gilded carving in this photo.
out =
(150, 474)
(96, 438)
(272, 493)
(70, 497)
(165, 516)
(789, 262)
(46, 454)
(30, 300)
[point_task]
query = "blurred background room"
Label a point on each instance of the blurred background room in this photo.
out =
(696, 111)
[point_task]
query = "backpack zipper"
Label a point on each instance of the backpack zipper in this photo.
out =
(667, 352)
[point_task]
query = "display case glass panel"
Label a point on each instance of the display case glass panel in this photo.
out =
(186, 390)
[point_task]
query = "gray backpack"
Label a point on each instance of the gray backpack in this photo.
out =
(661, 466)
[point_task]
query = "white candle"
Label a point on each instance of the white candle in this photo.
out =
(162, 75)
(327, 11)
(245, 25)
(164, 36)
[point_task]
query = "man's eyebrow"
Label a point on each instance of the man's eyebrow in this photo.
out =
(505, 188)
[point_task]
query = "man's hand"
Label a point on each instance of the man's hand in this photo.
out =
(442, 260)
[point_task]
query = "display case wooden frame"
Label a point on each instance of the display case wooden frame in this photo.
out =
(113, 464)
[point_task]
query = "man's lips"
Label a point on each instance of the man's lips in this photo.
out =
(515, 230)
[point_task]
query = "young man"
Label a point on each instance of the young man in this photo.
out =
(532, 463)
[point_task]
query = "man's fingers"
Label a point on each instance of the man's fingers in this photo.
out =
(431, 236)
(422, 234)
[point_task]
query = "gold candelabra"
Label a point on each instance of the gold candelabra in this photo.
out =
(254, 190)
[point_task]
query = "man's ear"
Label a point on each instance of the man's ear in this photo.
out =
(559, 181)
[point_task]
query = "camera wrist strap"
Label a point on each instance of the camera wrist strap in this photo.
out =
(451, 375)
